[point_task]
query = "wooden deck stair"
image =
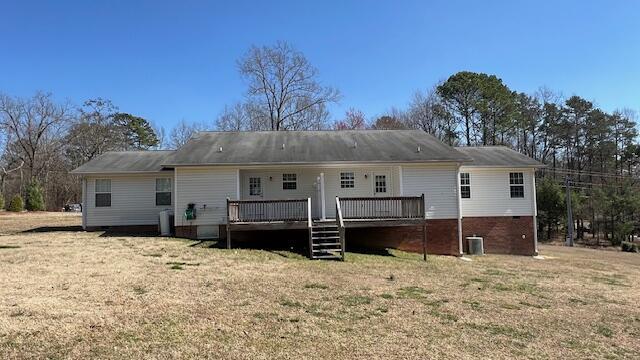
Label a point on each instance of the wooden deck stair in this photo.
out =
(325, 241)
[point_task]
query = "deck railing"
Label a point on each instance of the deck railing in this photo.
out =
(394, 207)
(267, 210)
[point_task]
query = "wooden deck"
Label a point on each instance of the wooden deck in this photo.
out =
(326, 237)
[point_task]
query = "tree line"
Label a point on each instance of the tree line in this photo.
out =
(41, 140)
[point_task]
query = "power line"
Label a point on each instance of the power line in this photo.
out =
(588, 173)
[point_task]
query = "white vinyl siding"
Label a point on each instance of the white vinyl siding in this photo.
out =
(307, 186)
(491, 189)
(439, 185)
(204, 186)
(133, 201)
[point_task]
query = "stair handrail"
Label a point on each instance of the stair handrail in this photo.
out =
(310, 228)
(340, 223)
(339, 213)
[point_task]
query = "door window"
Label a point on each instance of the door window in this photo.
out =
(255, 186)
(380, 184)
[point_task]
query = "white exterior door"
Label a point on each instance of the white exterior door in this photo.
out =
(317, 200)
(255, 192)
(381, 186)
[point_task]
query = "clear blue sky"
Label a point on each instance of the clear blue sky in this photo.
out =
(168, 61)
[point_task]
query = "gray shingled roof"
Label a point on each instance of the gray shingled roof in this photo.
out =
(497, 156)
(313, 147)
(306, 147)
(125, 162)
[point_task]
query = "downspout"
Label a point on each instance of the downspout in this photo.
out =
(458, 201)
(323, 207)
(84, 203)
(176, 214)
(535, 212)
(238, 183)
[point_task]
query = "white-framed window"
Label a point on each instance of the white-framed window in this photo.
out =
(516, 185)
(465, 186)
(380, 184)
(289, 181)
(103, 192)
(255, 186)
(347, 180)
(163, 191)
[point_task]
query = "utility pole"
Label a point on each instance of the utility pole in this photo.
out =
(567, 184)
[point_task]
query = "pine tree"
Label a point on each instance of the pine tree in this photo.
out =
(16, 204)
(35, 200)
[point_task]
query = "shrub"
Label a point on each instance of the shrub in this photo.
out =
(630, 247)
(1, 202)
(35, 200)
(621, 231)
(16, 204)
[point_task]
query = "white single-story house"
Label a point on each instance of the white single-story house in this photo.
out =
(379, 188)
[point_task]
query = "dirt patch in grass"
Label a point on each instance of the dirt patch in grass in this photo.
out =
(80, 295)
(315, 286)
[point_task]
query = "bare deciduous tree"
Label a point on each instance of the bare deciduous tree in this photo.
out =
(427, 112)
(161, 133)
(93, 132)
(284, 87)
(182, 132)
(353, 120)
(236, 118)
(35, 128)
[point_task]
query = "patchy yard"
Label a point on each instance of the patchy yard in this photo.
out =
(81, 295)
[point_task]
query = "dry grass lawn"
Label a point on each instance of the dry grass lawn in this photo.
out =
(66, 294)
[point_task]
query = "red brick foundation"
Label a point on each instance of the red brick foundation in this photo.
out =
(501, 234)
(442, 237)
(187, 232)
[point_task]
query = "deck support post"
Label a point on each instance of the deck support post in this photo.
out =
(228, 225)
(424, 228)
(424, 240)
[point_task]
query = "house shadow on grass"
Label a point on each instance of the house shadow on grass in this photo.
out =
(281, 246)
(286, 242)
(47, 229)
(359, 249)
(129, 233)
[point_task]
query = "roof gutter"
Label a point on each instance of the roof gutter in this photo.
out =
(452, 161)
(507, 166)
